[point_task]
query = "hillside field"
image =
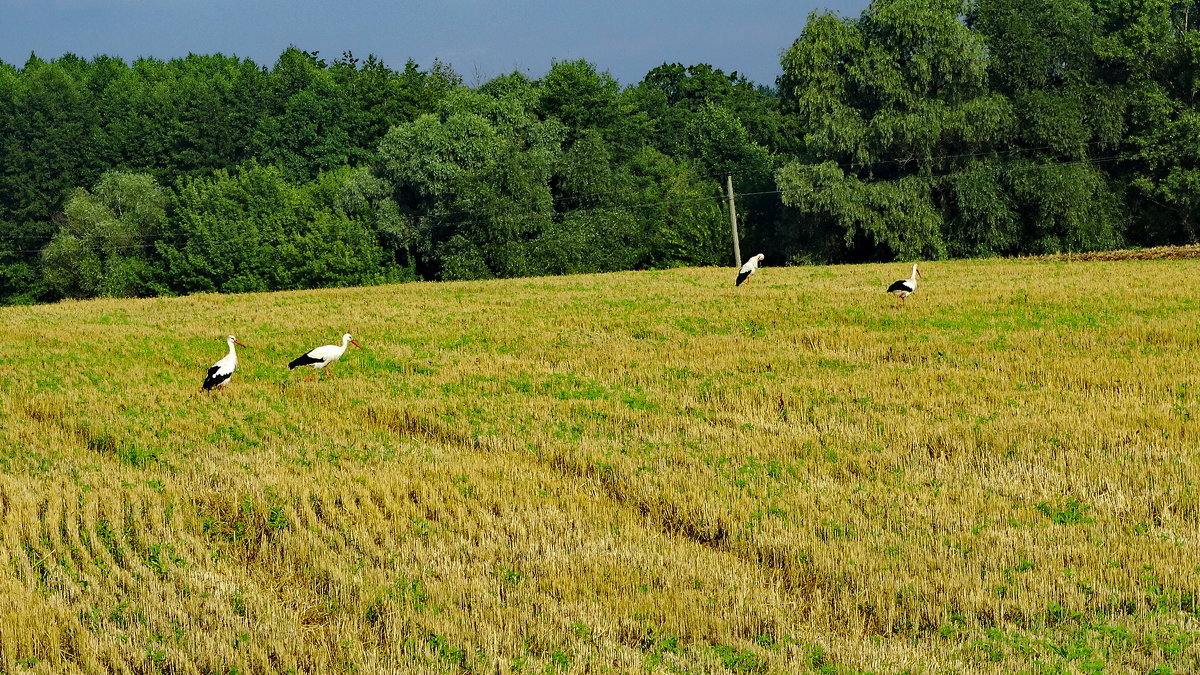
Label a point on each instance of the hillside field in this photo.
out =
(634, 472)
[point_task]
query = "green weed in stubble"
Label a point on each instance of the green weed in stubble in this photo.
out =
(740, 660)
(558, 464)
(1074, 512)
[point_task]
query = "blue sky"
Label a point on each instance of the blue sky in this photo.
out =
(480, 39)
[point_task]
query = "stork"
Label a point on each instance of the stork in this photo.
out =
(323, 357)
(905, 287)
(222, 370)
(749, 268)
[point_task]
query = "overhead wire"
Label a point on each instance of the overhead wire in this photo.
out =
(441, 220)
(594, 196)
(181, 236)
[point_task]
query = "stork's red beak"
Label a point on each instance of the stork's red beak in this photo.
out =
(238, 342)
(355, 343)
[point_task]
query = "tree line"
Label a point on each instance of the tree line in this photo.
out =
(919, 129)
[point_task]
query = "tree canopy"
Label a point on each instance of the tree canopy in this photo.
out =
(918, 129)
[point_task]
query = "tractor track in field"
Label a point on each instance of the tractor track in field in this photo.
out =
(793, 573)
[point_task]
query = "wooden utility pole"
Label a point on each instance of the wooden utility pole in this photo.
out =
(737, 247)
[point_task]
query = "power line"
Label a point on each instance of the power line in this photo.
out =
(936, 158)
(490, 216)
(717, 178)
(183, 238)
(997, 169)
(611, 208)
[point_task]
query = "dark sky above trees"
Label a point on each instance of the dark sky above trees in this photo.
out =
(481, 39)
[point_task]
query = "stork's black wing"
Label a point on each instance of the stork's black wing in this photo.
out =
(306, 360)
(215, 378)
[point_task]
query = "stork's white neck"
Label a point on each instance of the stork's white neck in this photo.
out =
(341, 349)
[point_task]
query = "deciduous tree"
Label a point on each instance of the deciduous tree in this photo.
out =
(100, 249)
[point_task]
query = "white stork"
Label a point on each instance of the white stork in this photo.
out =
(222, 370)
(323, 357)
(905, 287)
(749, 268)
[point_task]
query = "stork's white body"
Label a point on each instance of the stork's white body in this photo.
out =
(220, 372)
(324, 356)
(748, 269)
(905, 287)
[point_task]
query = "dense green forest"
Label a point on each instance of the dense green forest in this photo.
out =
(919, 129)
